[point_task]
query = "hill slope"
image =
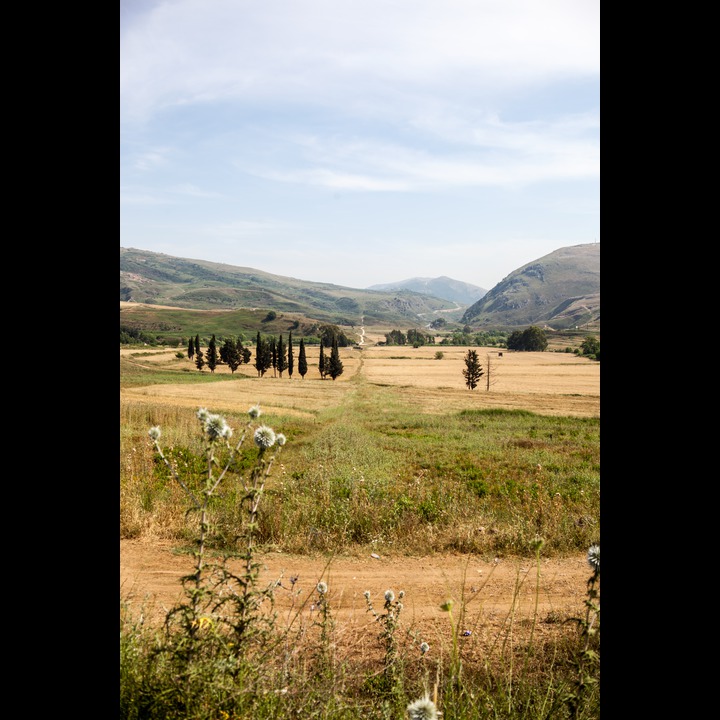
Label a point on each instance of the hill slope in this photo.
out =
(159, 279)
(560, 290)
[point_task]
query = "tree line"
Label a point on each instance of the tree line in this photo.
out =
(270, 354)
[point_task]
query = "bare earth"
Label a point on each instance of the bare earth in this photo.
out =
(498, 593)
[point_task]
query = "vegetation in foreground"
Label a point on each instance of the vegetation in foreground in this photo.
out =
(223, 654)
(375, 475)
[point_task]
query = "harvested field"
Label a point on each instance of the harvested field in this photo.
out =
(549, 383)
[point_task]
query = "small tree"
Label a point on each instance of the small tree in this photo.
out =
(590, 346)
(197, 344)
(335, 367)
(246, 355)
(302, 360)
(212, 354)
(532, 339)
(230, 354)
(199, 360)
(473, 370)
(191, 349)
(395, 337)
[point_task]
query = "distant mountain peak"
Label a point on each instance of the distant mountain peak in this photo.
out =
(443, 287)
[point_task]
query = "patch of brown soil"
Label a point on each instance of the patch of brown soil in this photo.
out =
(501, 595)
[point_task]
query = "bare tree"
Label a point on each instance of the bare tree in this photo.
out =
(490, 373)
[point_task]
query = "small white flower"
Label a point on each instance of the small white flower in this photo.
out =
(422, 709)
(264, 437)
(202, 415)
(593, 558)
(366, 594)
(424, 647)
(322, 588)
(254, 412)
(154, 433)
(389, 596)
(280, 439)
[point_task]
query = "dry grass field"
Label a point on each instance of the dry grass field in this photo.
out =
(550, 383)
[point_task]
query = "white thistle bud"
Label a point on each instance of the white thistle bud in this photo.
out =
(264, 437)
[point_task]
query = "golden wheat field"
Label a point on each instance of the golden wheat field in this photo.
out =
(549, 383)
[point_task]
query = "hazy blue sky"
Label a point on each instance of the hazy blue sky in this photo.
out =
(359, 142)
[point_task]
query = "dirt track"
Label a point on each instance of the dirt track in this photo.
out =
(496, 590)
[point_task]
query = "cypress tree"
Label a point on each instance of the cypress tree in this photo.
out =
(291, 361)
(230, 354)
(321, 361)
(335, 366)
(273, 350)
(199, 360)
(302, 360)
(191, 349)
(259, 356)
(281, 359)
(197, 344)
(212, 355)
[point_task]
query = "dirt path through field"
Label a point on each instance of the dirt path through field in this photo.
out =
(496, 590)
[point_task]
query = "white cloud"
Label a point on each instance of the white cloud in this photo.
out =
(356, 53)
(345, 127)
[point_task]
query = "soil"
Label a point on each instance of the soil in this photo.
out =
(499, 593)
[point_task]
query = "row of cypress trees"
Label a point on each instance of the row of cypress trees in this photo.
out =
(268, 354)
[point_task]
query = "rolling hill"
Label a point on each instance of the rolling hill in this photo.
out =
(559, 291)
(159, 279)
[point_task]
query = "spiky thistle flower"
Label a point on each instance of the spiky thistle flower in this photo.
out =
(422, 709)
(216, 427)
(322, 588)
(254, 412)
(389, 596)
(593, 558)
(424, 647)
(264, 437)
(280, 439)
(154, 433)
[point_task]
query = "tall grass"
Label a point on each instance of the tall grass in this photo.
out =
(387, 478)
(224, 653)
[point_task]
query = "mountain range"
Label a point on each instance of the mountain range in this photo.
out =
(560, 290)
(459, 292)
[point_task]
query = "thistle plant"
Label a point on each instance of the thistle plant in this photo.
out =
(326, 624)
(389, 620)
(588, 661)
(423, 709)
(221, 610)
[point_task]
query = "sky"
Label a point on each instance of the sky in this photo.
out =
(360, 142)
